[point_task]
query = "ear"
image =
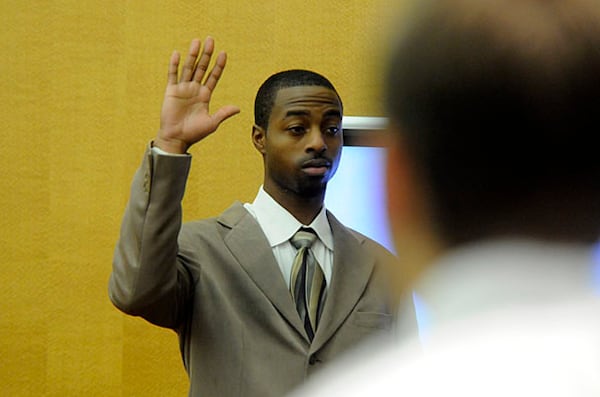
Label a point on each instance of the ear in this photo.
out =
(259, 136)
(414, 236)
(399, 181)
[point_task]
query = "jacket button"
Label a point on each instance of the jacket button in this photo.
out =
(312, 359)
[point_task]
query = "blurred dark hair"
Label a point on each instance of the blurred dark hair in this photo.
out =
(498, 102)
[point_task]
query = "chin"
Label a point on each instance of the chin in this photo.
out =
(314, 190)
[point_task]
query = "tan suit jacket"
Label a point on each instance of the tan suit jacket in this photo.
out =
(216, 282)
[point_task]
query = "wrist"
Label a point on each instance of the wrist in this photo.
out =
(173, 146)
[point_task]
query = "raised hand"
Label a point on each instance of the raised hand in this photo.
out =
(185, 117)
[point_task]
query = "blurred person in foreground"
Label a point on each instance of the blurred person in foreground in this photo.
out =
(494, 199)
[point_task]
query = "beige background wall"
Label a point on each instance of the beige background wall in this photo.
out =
(81, 85)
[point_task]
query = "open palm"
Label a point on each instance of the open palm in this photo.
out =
(185, 117)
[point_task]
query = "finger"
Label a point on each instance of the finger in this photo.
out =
(202, 66)
(216, 72)
(173, 66)
(190, 61)
(224, 113)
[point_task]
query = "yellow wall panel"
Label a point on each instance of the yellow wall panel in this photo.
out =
(80, 95)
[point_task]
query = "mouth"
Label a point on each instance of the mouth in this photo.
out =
(316, 167)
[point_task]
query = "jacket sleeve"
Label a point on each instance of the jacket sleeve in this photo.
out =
(147, 279)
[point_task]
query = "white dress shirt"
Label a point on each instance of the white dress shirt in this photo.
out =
(279, 226)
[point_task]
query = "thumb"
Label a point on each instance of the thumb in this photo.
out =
(224, 113)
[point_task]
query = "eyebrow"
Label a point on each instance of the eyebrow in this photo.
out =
(333, 113)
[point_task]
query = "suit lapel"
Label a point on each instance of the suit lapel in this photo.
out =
(248, 244)
(352, 268)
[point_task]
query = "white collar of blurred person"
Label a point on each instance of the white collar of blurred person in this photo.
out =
(505, 274)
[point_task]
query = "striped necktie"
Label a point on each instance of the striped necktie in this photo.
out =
(307, 283)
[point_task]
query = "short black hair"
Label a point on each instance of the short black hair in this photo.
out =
(265, 97)
(498, 103)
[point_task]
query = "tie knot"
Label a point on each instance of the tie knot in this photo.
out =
(303, 238)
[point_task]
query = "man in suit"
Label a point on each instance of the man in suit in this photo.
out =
(494, 201)
(224, 283)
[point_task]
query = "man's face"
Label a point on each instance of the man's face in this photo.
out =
(303, 142)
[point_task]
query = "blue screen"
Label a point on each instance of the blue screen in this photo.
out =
(356, 194)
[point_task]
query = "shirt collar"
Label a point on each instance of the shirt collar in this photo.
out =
(279, 225)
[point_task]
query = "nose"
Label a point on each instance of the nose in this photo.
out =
(316, 141)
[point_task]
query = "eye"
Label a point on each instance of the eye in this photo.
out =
(297, 129)
(332, 130)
